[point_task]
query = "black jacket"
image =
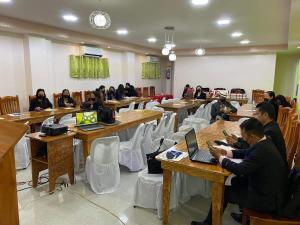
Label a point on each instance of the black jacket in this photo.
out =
(273, 132)
(216, 109)
(276, 107)
(87, 106)
(200, 95)
(42, 103)
(61, 102)
(266, 172)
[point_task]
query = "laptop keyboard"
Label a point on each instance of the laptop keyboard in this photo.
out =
(203, 156)
(90, 127)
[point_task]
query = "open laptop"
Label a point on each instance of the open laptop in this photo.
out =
(87, 121)
(196, 154)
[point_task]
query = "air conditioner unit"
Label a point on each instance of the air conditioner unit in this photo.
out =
(91, 51)
(153, 59)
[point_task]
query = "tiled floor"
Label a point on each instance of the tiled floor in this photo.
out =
(78, 205)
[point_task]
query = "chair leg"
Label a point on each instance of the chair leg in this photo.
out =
(245, 219)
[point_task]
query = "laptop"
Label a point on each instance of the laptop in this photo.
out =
(196, 154)
(87, 121)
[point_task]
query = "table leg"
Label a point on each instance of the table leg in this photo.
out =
(217, 202)
(86, 148)
(52, 181)
(166, 195)
(176, 122)
(35, 174)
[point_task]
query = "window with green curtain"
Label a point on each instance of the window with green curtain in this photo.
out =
(151, 70)
(83, 67)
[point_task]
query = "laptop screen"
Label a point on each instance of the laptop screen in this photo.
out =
(191, 142)
(85, 118)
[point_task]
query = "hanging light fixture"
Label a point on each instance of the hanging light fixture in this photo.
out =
(100, 19)
(172, 56)
(165, 51)
(200, 51)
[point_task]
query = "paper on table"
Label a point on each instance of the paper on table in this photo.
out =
(163, 156)
(15, 114)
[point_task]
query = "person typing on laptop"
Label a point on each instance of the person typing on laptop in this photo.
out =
(264, 191)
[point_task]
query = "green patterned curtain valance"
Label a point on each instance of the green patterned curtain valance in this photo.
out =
(151, 70)
(83, 67)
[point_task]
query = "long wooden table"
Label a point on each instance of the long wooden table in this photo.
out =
(214, 173)
(242, 112)
(180, 106)
(39, 117)
(127, 120)
(116, 104)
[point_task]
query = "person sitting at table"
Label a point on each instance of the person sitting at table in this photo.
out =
(131, 91)
(221, 109)
(91, 104)
(120, 92)
(266, 178)
(199, 94)
(111, 93)
(281, 101)
(100, 94)
(270, 97)
(126, 89)
(65, 100)
(264, 113)
(188, 92)
(40, 101)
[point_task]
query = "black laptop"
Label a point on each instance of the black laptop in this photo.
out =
(196, 154)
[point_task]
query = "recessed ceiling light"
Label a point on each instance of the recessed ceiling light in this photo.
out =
(245, 42)
(236, 34)
(122, 32)
(108, 46)
(200, 51)
(5, 1)
(223, 22)
(4, 25)
(70, 18)
(200, 2)
(152, 40)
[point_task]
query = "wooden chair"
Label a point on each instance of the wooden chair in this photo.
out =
(9, 104)
(258, 95)
(87, 95)
(261, 221)
(293, 142)
(286, 128)
(138, 91)
(282, 116)
(55, 99)
(297, 155)
(77, 96)
(30, 98)
(152, 91)
(145, 91)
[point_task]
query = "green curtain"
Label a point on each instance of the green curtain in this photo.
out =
(82, 67)
(151, 70)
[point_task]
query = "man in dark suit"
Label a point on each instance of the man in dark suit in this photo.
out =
(265, 189)
(221, 109)
(270, 97)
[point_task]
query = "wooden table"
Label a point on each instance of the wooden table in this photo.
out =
(214, 173)
(116, 104)
(242, 112)
(241, 101)
(128, 119)
(59, 160)
(39, 117)
(180, 106)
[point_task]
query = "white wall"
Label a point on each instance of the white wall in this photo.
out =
(238, 71)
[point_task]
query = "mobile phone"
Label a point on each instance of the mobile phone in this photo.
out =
(209, 143)
(225, 133)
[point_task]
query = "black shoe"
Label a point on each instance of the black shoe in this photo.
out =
(198, 223)
(238, 217)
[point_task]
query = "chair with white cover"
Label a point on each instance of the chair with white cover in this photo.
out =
(151, 104)
(159, 131)
(147, 141)
(169, 130)
(164, 101)
(131, 106)
(64, 118)
(148, 189)
(235, 104)
(102, 165)
(123, 110)
(196, 123)
(22, 153)
(48, 121)
(156, 108)
(130, 151)
(141, 105)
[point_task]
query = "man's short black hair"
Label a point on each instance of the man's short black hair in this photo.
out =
(266, 107)
(271, 94)
(253, 126)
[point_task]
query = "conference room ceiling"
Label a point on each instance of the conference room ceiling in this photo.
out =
(263, 22)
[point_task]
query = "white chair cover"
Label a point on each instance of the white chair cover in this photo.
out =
(160, 129)
(235, 104)
(169, 130)
(123, 110)
(48, 121)
(64, 118)
(176, 99)
(147, 141)
(131, 106)
(196, 123)
(130, 151)
(155, 108)
(102, 167)
(141, 105)
(164, 101)
(22, 153)
(151, 104)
